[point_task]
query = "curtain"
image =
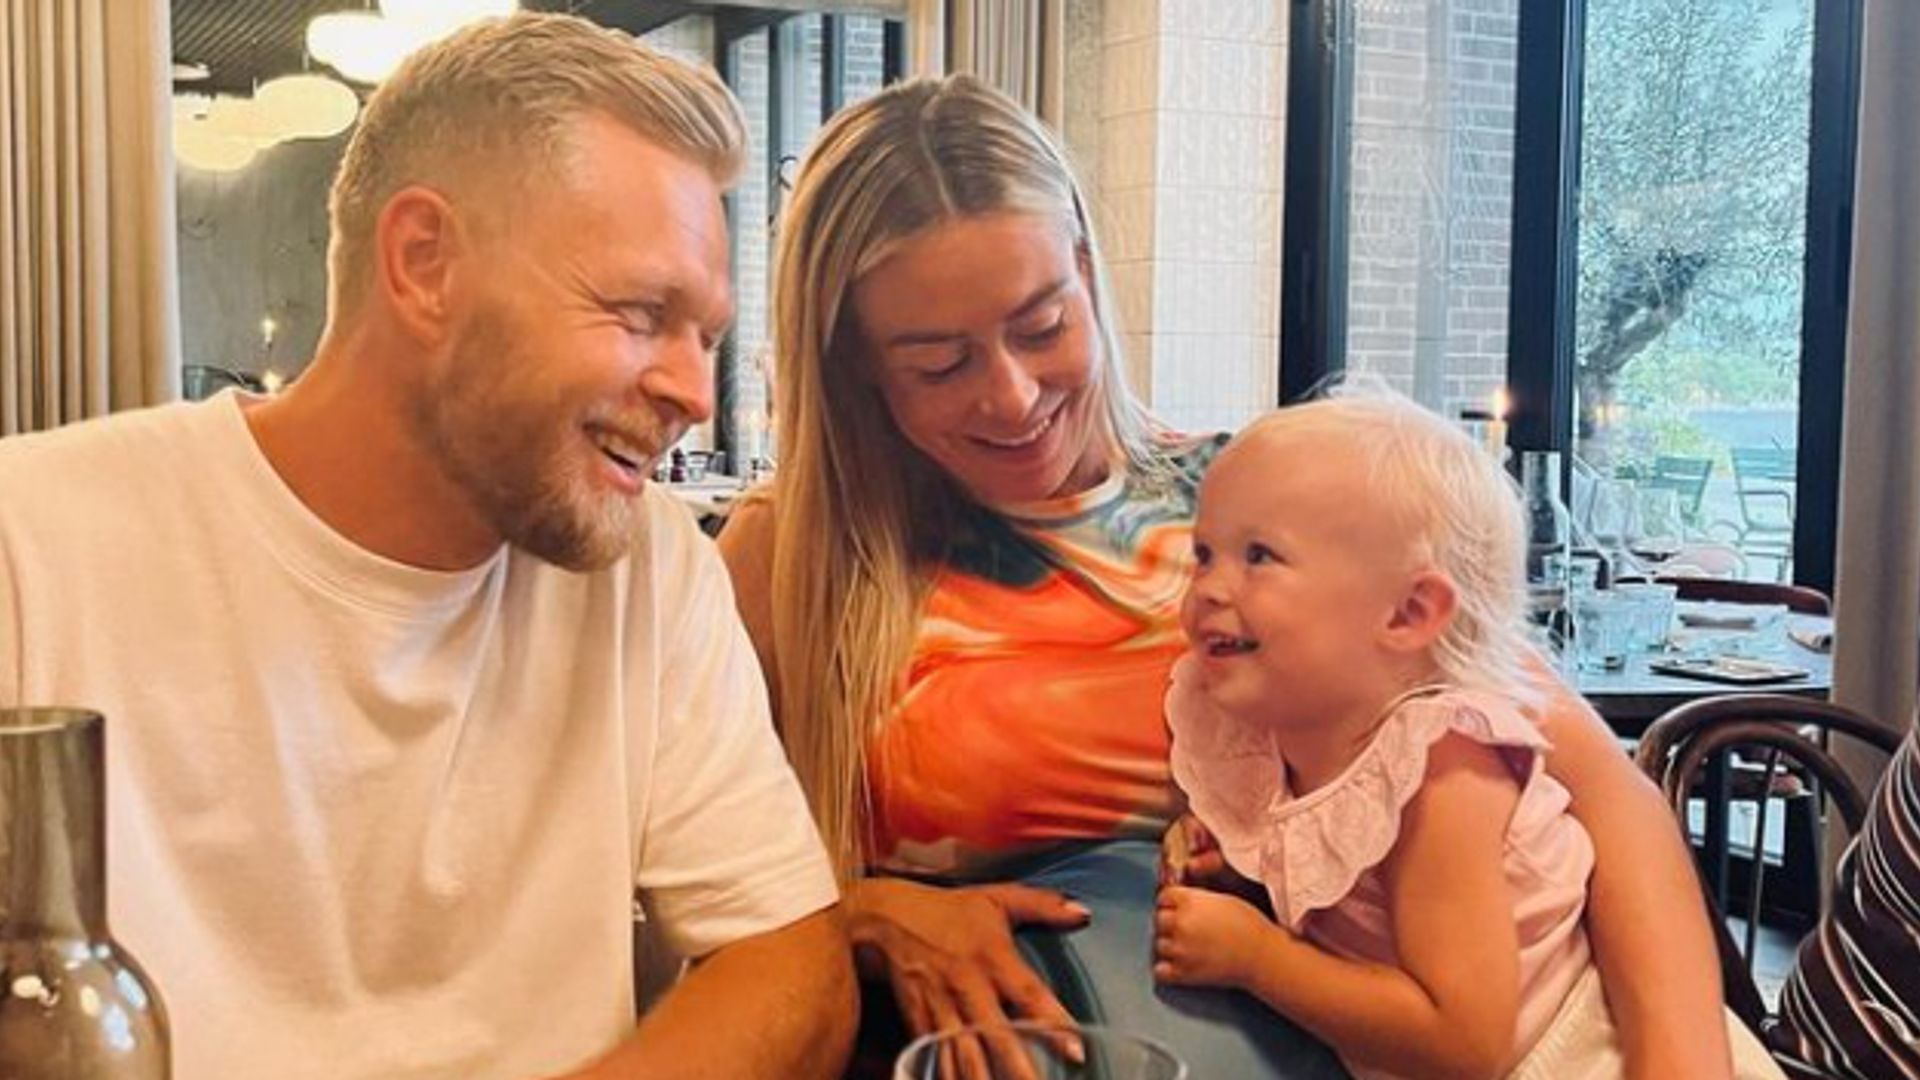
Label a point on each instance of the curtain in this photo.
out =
(1877, 587)
(89, 317)
(1018, 46)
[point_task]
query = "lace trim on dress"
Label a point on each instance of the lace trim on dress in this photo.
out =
(1311, 851)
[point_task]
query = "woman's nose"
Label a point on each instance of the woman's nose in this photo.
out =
(1011, 389)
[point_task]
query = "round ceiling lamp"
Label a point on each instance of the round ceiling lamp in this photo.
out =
(201, 145)
(365, 48)
(306, 106)
(437, 18)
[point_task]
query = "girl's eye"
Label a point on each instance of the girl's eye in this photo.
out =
(1260, 553)
(1202, 554)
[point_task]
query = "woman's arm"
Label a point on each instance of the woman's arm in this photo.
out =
(746, 546)
(1451, 1008)
(1645, 914)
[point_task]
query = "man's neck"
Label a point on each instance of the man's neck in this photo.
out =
(342, 439)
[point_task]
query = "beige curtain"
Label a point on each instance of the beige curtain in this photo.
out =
(1877, 593)
(1018, 46)
(88, 296)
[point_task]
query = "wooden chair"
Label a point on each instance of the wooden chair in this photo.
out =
(1681, 746)
(1798, 598)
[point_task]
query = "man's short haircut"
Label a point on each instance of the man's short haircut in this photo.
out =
(495, 103)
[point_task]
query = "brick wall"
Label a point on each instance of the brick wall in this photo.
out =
(1431, 205)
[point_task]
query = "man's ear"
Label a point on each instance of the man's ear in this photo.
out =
(1424, 612)
(418, 244)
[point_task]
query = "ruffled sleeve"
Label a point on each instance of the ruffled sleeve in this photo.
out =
(1311, 851)
(1232, 774)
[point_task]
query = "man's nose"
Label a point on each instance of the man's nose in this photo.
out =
(681, 376)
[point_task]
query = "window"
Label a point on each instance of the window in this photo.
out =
(1408, 114)
(1631, 215)
(1691, 256)
(790, 72)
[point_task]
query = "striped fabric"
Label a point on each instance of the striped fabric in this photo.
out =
(1852, 1005)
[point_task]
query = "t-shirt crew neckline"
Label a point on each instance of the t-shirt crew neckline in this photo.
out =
(1061, 508)
(311, 548)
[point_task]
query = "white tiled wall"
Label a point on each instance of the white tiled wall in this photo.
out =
(1191, 140)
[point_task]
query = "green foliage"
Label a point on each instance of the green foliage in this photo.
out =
(1693, 155)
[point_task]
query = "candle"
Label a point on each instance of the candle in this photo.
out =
(1497, 429)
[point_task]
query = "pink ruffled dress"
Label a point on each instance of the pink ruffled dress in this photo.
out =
(1319, 855)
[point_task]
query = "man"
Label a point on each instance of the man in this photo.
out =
(1851, 1005)
(413, 684)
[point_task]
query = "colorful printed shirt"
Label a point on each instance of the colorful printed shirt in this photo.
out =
(1032, 708)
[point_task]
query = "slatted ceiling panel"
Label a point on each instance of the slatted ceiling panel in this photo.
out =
(244, 42)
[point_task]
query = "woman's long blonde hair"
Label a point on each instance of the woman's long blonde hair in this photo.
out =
(861, 516)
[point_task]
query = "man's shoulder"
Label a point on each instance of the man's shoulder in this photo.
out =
(123, 445)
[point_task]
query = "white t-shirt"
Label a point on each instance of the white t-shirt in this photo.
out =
(367, 820)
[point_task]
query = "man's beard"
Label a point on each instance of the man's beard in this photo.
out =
(513, 459)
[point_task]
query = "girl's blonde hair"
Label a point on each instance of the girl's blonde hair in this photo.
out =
(862, 516)
(1457, 510)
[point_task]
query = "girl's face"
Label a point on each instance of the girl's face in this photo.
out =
(1296, 582)
(986, 350)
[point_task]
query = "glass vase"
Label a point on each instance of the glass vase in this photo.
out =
(73, 1004)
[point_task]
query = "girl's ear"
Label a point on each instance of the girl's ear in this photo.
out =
(1424, 612)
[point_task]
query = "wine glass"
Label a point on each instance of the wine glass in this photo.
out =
(1660, 531)
(1612, 521)
(1026, 1050)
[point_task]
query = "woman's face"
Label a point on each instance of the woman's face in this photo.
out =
(985, 348)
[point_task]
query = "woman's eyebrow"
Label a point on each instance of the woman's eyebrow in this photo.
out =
(940, 337)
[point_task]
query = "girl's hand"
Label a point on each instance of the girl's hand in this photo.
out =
(1190, 855)
(1204, 938)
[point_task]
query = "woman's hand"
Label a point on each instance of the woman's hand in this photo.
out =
(949, 952)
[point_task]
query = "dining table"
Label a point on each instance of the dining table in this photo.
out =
(1632, 697)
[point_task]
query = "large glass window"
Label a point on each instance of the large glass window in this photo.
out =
(1400, 160)
(1429, 201)
(1692, 239)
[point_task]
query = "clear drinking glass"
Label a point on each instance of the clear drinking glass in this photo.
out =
(1653, 604)
(1603, 625)
(73, 1004)
(1032, 1051)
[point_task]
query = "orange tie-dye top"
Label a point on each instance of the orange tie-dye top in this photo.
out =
(1031, 712)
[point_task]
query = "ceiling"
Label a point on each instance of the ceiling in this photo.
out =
(243, 42)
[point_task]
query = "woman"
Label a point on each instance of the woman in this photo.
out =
(964, 589)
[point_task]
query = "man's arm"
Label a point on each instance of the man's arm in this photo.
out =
(1645, 916)
(727, 1018)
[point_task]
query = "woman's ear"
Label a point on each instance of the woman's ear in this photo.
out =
(1424, 612)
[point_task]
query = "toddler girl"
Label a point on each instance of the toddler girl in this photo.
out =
(1353, 723)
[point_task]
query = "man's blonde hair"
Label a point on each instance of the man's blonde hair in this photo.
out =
(491, 109)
